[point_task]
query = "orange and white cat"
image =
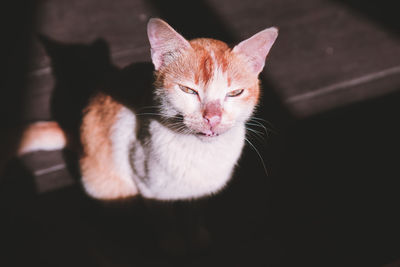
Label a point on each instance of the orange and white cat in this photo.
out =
(205, 91)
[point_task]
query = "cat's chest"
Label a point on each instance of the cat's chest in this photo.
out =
(185, 166)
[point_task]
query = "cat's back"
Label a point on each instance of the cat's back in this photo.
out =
(108, 128)
(102, 117)
(98, 117)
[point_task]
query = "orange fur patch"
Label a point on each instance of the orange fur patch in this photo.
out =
(99, 172)
(209, 53)
(253, 93)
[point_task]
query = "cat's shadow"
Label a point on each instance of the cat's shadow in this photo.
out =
(83, 70)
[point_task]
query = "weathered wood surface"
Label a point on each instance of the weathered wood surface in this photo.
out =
(327, 55)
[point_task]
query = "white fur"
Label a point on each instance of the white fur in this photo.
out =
(184, 166)
(122, 137)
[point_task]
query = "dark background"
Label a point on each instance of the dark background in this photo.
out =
(330, 92)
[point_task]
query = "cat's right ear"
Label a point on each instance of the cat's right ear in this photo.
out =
(165, 42)
(257, 47)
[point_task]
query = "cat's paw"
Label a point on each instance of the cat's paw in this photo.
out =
(109, 188)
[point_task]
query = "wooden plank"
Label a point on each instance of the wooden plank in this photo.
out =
(321, 43)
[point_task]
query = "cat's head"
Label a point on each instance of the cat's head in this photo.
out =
(211, 86)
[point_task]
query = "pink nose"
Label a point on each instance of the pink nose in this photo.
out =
(212, 121)
(212, 113)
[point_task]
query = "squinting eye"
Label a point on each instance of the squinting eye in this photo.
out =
(234, 93)
(188, 90)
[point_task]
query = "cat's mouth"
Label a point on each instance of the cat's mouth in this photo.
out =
(208, 134)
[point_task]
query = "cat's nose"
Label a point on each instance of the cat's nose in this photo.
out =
(212, 121)
(212, 113)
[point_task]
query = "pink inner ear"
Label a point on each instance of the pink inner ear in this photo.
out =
(164, 41)
(256, 48)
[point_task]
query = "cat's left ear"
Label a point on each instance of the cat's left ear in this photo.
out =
(257, 47)
(165, 42)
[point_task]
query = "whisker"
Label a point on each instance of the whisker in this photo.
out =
(260, 119)
(147, 113)
(263, 120)
(260, 124)
(163, 117)
(259, 155)
(149, 107)
(257, 124)
(255, 131)
(257, 134)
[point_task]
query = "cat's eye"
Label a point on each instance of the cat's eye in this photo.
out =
(188, 90)
(234, 93)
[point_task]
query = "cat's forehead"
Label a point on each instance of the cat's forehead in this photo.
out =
(214, 65)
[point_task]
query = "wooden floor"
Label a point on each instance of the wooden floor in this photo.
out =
(331, 196)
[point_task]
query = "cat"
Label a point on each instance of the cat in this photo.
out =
(188, 146)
